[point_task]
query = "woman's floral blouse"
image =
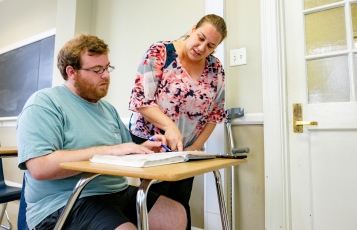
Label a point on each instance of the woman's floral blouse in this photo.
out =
(162, 81)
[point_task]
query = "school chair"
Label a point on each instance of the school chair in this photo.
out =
(7, 194)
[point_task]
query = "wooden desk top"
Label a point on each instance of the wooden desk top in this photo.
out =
(171, 172)
(7, 151)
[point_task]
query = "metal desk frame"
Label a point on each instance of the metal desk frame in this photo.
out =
(142, 215)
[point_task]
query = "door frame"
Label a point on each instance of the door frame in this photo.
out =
(276, 149)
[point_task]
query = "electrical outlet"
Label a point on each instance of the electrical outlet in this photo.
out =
(238, 57)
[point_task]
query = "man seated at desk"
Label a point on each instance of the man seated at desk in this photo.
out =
(72, 123)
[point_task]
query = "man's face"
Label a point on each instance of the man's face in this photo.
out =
(90, 85)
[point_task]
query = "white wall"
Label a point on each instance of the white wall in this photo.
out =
(244, 83)
(17, 15)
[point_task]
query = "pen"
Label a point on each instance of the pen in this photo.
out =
(164, 146)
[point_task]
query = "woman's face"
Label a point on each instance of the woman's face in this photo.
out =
(202, 41)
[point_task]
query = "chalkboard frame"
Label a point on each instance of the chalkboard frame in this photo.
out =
(21, 44)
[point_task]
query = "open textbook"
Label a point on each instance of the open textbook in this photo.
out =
(152, 159)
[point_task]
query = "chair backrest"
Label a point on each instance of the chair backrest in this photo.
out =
(2, 179)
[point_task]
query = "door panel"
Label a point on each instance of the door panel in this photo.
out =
(333, 176)
(321, 76)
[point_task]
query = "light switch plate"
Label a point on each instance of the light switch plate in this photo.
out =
(238, 57)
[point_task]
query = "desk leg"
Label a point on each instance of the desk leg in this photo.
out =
(141, 209)
(221, 201)
(73, 198)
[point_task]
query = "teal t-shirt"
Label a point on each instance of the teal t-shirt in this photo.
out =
(56, 119)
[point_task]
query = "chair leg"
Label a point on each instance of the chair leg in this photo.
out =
(3, 211)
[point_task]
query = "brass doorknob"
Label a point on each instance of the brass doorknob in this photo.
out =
(298, 123)
(305, 123)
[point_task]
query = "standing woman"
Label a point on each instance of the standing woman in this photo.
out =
(179, 92)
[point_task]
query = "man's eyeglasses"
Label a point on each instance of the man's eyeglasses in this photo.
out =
(109, 68)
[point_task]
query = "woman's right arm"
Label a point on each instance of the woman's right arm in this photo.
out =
(143, 97)
(156, 117)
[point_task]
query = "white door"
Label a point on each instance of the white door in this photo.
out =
(321, 75)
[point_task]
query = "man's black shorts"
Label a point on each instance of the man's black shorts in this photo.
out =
(101, 211)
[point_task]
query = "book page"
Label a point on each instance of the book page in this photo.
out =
(153, 159)
(138, 160)
(192, 155)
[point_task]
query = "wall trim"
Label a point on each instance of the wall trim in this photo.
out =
(29, 40)
(8, 122)
(11, 183)
(276, 162)
(247, 119)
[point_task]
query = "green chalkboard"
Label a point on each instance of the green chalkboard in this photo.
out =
(23, 71)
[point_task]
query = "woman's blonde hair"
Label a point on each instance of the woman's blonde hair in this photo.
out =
(217, 21)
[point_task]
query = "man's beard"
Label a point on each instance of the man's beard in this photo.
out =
(90, 92)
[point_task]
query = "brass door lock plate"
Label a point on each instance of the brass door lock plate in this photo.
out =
(298, 120)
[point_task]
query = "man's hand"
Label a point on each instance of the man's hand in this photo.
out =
(132, 148)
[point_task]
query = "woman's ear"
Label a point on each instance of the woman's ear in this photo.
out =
(193, 28)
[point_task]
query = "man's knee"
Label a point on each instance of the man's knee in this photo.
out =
(167, 214)
(126, 226)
